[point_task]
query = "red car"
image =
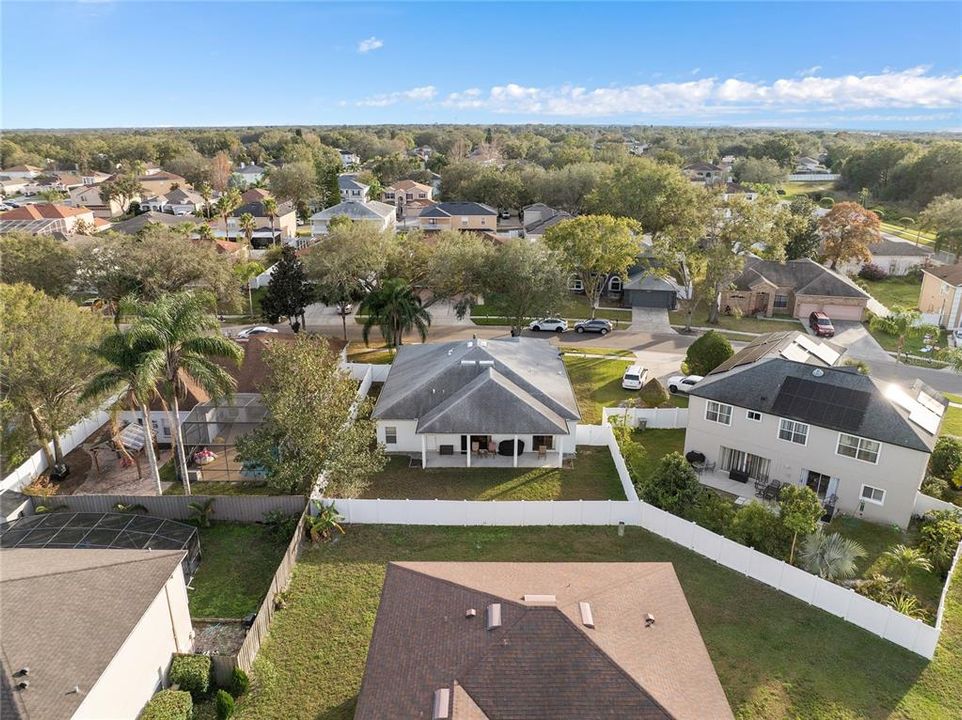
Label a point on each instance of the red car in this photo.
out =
(821, 324)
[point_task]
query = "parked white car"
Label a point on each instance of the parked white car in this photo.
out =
(549, 325)
(634, 378)
(248, 333)
(683, 383)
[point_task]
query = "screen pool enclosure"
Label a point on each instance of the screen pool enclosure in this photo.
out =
(89, 531)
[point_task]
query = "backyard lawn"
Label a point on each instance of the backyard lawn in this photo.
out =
(657, 444)
(895, 291)
(876, 539)
(776, 656)
(592, 477)
(237, 563)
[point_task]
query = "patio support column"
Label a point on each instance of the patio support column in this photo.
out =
(516, 450)
(424, 452)
(561, 454)
(469, 451)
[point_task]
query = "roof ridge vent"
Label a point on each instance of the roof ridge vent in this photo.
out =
(540, 599)
(442, 704)
(493, 616)
(587, 619)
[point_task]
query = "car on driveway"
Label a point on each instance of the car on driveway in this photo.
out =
(549, 325)
(821, 325)
(683, 383)
(634, 378)
(250, 332)
(344, 308)
(596, 326)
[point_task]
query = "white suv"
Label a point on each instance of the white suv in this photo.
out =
(634, 378)
(683, 383)
(549, 324)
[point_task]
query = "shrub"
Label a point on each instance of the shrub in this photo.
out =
(863, 367)
(280, 524)
(871, 271)
(941, 534)
(191, 673)
(713, 512)
(957, 478)
(653, 394)
(946, 457)
(827, 202)
(632, 451)
(225, 705)
(673, 486)
(708, 352)
(756, 526)
(239, 682)
(169, 705)
(831, 557)
(935, 486)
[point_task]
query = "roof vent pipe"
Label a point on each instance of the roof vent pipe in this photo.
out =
(649, 620)
(586, 617)
(494, 616)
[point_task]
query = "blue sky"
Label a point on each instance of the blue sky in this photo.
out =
(113, 64)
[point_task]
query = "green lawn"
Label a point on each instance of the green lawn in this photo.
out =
(574, 307)
(237, 564)
(592, 477)
(909, 233)
(736, 324)
(256, 296)
(876, 539)
(658, 443)
(895, 291)
(588, 350)
(952, 422)
(793, 189)
(776, 657)
(913, 343)
(358, 352)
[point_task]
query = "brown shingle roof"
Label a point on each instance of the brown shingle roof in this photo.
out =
(952, 274)
(542, 662)
(65, 614)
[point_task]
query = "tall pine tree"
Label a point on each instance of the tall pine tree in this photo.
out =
(288, 292)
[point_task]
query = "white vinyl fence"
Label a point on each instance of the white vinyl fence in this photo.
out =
(37, 463)
(926, 504)
(813, 177)
(652, 417)
(262, 280)
(359, 371)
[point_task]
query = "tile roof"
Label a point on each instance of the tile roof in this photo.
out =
(449, 209)
(952, 274)
(804, 276)
(43, 211)
(839, 398)
(542, 662)
(65, 614)
(521, 387)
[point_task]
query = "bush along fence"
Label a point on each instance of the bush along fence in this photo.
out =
(845, 603)
(230, 508)
(655, 418)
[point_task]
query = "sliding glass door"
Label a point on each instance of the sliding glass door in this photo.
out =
(755, 466)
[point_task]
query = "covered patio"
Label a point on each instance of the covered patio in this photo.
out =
(491, 450)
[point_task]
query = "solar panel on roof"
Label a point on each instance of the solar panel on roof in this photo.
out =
(796, 353)
(931, 404)
(821, 404)
(824, 353)
(929, 421)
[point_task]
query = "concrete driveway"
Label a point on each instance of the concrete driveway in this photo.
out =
(860, 344)
(650, 320)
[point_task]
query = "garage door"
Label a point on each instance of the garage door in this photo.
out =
(651, 298)
(835, 312)
(803, 310)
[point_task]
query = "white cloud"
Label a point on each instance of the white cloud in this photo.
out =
(912, 88)
(809, 71)
(372, 43)
(695, 71)
(418, 94)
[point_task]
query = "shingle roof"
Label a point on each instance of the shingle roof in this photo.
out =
(65, 614)
(899, 247)
(448, 209)
(537, 227)
(542, 662)
(952, 274)
(522, 386)
(137, 223)
(804, 276)
(249, 170)
(350, 182)
(703, 167)
(764, 386)
(370, 210)
(772, 344)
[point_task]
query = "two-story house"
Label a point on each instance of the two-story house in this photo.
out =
(46, 219)
(352, 189)
(940, 298)
(266, 232)
(782, 411)
(706, 173)
(459, 216)
(348, 158)
(248, 173)
(405, 191)
(381, 215)
(179, 201)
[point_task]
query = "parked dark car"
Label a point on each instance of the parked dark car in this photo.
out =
(596, 326)
(821, 324)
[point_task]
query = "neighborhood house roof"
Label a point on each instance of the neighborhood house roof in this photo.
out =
(65, 615)
(952, 274)
(838, 398)
(804, 276)
(792, 344)
(249, 170)
(350, 182)
(42, 211)
(450, 209)
(888, 247)
(497, 386)
(703, 167)
(558, 641)
(370, 210)
(137, 223)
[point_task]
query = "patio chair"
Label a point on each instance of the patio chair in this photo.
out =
(475, 447)
(542, 452)
(492, 448)
(760, 486)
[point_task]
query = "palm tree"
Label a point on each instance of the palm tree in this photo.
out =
(831, 557)
(902, 323)
(322, 526)
(202, 512)
(124, 374)
(903, 560)
(245, 272)
(247, 225)
(182, 338)
(205, 232)
(206, 191)
(395, 310)
(225, 205)
(270, 209)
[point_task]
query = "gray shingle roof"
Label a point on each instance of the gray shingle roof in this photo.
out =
(759, 385)
(521, 387)
(901, 248)
(448, 209)
(65, 614)
(542, 662)
(350, 182)
(370, 210)
(805, 277)
(135, 224)
(771, 345)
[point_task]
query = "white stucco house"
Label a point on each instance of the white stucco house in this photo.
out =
(351, 188)
(381, 215)
(248, 173)
(112, 620)
(348, 158)
(896, 257)
(783, 410)
(506, 400)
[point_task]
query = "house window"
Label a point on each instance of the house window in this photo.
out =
(390, 435)
(858, 448)
(542, 441)
(874, 495)
(464, 220)
(719, 413)
(614, 285)
(422, 196)
(575, 285)
(754, 415)
(755, 466)
(781, 302)
(792, 431)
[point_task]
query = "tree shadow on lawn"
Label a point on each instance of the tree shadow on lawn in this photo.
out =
(775, 655)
